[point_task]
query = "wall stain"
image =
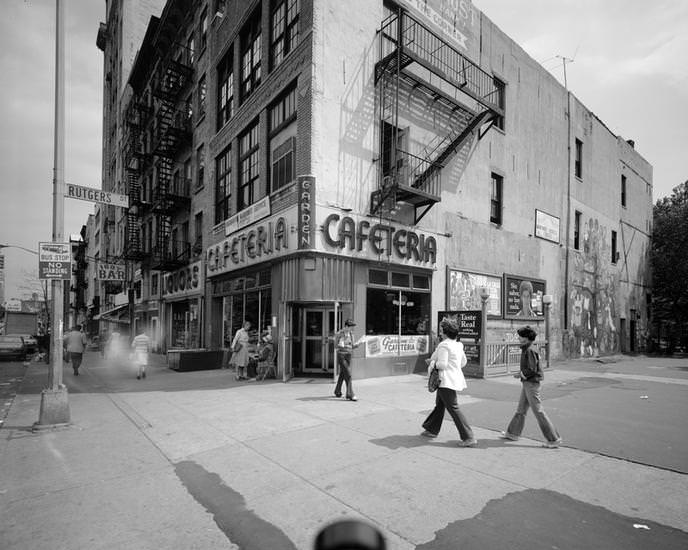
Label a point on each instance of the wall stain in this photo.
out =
(240, 525)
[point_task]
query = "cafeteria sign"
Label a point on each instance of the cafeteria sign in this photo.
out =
(55, 261)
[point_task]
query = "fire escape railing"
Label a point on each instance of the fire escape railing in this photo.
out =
(173, 131)
(408, 52)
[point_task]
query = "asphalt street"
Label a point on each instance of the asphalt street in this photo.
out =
(199, 460)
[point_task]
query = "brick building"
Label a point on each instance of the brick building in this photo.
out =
(297, 163)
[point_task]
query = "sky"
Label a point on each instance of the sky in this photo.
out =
(629, 67)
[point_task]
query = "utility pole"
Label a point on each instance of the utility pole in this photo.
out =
(568, 197)
(54, 410)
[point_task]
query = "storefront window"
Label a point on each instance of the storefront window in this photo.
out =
(386, 308)
(246, 301)
(185, 325)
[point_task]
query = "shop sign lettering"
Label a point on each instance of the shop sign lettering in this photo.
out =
(252, 245)
(379, 238)
(306, 187)
(111, 272)
(183, 282)
(387, 345)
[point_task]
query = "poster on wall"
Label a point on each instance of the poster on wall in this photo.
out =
(463, 291)
(546, 226)
(391, 345)
(468, 322)
(523, 297)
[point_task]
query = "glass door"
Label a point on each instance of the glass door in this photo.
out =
(317, 341)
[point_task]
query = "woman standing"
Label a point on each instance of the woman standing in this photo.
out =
(240, 351)
(449, 358)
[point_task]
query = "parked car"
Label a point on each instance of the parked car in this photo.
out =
(30, 342)
(12, 346)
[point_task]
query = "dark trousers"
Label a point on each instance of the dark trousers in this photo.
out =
(75, 358)
(344, 364)
(446, 400)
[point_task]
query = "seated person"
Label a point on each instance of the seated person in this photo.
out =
(266, 353)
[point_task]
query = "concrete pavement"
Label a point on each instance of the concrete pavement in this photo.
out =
(196, 460)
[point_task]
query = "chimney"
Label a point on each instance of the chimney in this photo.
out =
(631, 143)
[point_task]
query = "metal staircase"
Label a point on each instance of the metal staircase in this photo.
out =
(409, 54)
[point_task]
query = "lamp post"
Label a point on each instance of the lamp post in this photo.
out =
(484, 296)
(547, 302)
(54, 411)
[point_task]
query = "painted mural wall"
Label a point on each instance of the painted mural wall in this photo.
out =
(592, 296)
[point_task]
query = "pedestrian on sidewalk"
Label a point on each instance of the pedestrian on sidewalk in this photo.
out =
(344, 342)
(449, 358)
(75, 341)
(531, 377)
(240, 356)
(141, 345)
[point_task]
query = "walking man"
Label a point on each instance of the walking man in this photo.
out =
(531, 376)
(344, 340)
(141, 345)
(76, 344)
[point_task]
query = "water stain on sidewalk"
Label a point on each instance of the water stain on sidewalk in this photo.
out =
(240, 525)
(539, 518)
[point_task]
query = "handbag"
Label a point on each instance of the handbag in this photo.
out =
(434, 380)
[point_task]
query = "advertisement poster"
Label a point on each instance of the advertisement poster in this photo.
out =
(463, 291)
(469, 323)
(387, 345)
(523, 297)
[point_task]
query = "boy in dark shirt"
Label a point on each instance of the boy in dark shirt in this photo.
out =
(531, 375)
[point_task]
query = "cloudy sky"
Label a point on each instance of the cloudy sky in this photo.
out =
(629, 68)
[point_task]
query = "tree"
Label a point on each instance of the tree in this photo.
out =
(670, 264)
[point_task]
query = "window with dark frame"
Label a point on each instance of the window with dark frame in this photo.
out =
(496, 199)
(250, 56)
(200, 166)
(223, 185)
(623, 190)
(284, 30)
(282, 161)
(203, 29)
(576, 230)
(225, 89)
(579, 159)
(249, 166)
(202, 94)
(198, 231)
(501, 101)
(615, 254)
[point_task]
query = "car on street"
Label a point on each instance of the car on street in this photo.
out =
(29, 341)
(12, 346)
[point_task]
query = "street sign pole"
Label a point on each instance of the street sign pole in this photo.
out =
(54, 411)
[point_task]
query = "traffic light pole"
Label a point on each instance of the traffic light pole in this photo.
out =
(54, 410)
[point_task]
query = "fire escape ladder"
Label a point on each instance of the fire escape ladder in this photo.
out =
(411, 56)
(448, 147)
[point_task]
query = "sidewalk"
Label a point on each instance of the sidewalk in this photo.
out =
(195, 460)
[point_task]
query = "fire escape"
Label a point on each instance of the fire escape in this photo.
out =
(136, 157)
(411, 56)
(172, 132)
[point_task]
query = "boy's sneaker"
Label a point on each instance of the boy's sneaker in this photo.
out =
(552, 444)
(426, 433)
(508, 436)
(468, 443)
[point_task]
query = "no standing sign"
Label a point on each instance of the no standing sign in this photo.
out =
(54, 261)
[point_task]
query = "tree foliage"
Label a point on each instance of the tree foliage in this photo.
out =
(670, 258)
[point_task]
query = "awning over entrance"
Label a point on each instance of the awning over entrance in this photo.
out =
(114, 315)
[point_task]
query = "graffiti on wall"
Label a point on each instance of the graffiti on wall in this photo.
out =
(592, 297)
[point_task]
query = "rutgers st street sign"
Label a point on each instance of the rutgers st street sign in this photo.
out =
(89, 194)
